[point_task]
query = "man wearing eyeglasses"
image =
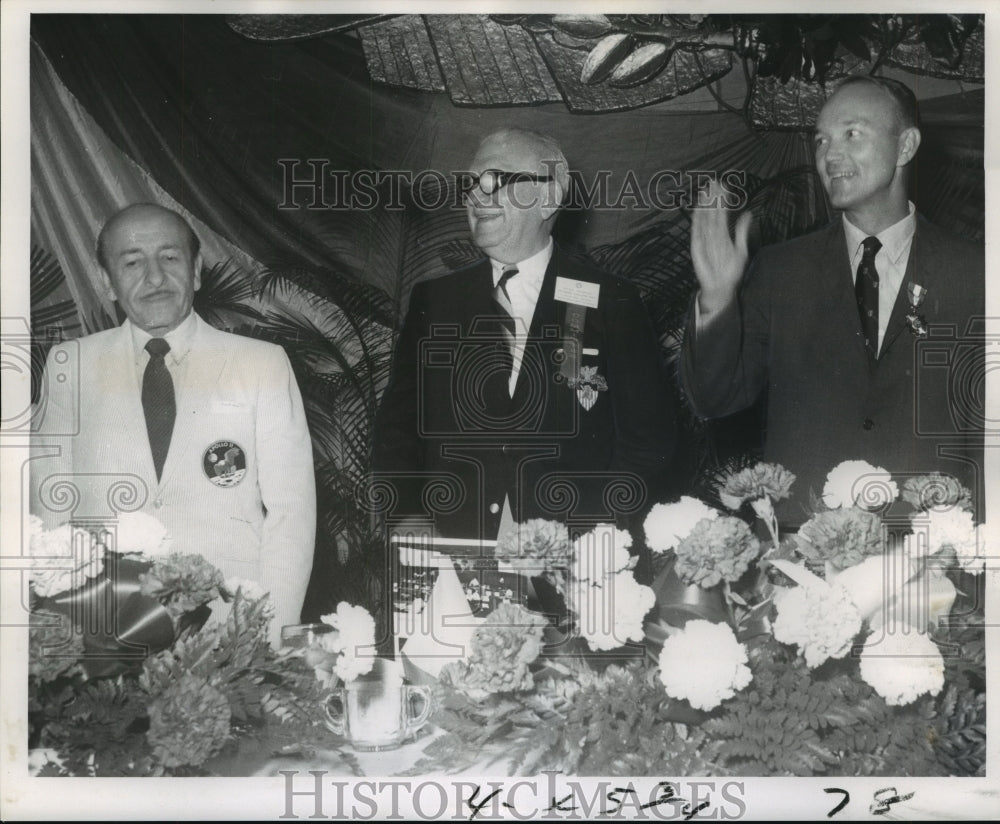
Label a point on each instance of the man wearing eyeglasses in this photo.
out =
(529, 384)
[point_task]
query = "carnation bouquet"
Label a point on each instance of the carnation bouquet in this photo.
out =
(854, 646)
(126, 674)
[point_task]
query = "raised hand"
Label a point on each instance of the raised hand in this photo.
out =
(719, 260)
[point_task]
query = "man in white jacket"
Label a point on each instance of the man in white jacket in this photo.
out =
(202, 429)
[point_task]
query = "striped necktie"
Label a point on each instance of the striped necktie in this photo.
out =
(507, 323)
(866, 292)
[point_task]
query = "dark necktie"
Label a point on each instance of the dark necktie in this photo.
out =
(507, 323)
(866, 291)
(158, 402)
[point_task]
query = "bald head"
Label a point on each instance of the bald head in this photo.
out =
(150, 264)
(137, 211)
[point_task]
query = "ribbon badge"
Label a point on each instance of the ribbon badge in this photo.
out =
(918, 324)
(588, 385)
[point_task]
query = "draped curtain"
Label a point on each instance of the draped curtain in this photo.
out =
(79, 178)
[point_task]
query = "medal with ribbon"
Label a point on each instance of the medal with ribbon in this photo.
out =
(578, 295)
(918, 324)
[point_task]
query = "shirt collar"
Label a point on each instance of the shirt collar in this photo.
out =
(179, 339)
(532, 268)
(894, 240)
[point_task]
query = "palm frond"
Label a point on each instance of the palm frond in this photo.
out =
(61, 314)
(657, 260)
(226, 290)
(46, 275)
(457, 254)
(327, 288)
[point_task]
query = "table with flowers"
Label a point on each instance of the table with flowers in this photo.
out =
(845, 648)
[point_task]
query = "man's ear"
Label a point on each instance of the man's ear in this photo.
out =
(551, 205)
(196, 281)
(106, 284)
(907, 145)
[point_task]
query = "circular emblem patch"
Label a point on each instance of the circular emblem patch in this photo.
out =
(225, 463)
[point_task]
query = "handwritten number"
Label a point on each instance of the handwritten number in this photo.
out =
(843, 801)
(562, 805)
(882, 805)
(695, 811)
(477, 807)
(666, 796)
(614, 798)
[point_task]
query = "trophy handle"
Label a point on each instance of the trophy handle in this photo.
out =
(335, 718)
(414, 724)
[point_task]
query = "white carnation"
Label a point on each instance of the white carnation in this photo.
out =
(353, 640)
(139, 532)
(62, 558)
(902, 665)
(39, 758)
(704, 664)
(972, 557)
(667, 525)
(858, 483)
(612, 614)
(953, 529)
(820, 619)
(600, 553)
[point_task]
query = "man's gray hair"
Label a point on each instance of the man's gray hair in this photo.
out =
(548, 149)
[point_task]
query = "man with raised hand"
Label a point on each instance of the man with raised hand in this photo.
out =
(863, 333)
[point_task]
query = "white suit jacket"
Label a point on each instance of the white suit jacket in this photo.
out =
(257, 524)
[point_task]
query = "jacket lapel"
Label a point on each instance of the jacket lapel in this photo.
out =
(120, 402)
(920, 268)
(206, 361)
(475, 303)
(545, 317)
(839, 280)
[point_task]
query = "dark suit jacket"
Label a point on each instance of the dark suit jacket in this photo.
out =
(447, 416)
(796, 331)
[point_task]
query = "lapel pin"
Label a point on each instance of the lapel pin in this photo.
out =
(917, 322)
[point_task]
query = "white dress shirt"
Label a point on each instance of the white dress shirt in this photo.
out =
(179, 339)
(890, 261)
(523, 290)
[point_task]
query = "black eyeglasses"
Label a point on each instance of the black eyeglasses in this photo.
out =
(493, 179)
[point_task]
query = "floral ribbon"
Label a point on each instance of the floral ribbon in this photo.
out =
(573, 343)
(120, 625)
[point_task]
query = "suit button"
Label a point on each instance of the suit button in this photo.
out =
(868, 424)
(494, 509)
(505, 449)
(157, 503)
